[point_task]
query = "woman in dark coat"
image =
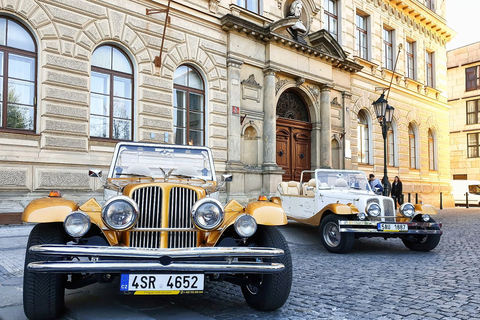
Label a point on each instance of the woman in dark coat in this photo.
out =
(397, 191)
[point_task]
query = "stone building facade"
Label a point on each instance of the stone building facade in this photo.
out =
(273, 87)
(464, 98)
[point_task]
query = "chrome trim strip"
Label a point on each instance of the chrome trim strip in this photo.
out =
(163, 229)
(414, 231)
(132, 266)
(374, 223)
(129, 252)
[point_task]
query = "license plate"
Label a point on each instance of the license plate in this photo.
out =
(153, 284)
(392, 227)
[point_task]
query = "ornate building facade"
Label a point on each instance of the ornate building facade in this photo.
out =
(273, 87)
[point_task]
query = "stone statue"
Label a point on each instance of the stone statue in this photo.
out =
(298, 30)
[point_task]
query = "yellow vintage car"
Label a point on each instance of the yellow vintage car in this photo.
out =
(161, 230)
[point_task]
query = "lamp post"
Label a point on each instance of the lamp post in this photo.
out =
(384, 114)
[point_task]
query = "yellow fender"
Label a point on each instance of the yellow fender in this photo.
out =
(48, 209)
(336, 208)
(425, 209)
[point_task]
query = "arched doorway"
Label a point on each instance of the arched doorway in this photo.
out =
(293, 135)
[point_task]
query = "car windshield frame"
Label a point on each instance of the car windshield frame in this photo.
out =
(160, 160)
(342, 179)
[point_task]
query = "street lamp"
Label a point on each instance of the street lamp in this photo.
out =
(384, 114)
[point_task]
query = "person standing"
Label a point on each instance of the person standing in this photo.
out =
(375, 184)
(397, 191)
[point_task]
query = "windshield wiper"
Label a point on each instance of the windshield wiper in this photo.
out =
(135, 175)
(186, 176)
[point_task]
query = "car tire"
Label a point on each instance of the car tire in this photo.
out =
(43, 293)
(269, 291)
(332, 239)
(422, 242)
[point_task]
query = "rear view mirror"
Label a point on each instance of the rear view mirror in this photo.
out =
(95, 173)
(227, 177)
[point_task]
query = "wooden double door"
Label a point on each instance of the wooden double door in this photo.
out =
(293, 148)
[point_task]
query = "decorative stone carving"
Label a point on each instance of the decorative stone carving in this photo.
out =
(299, 81)
(279, 83)
(335, 102)
(314, 91)
(251, 89)
(213, 4)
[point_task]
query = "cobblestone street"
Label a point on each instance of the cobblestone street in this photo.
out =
(379, 279)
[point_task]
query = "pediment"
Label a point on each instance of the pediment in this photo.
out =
(323, 41)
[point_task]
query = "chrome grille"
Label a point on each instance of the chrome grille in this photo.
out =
(389, 210)
(179, 216)
(149, 202)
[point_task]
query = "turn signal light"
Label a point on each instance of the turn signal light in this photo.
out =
(262, 198)
(55, 194)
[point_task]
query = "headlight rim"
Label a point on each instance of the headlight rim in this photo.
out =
(241, 216)
(201, 202)
(401, 209)
(130, 201)
(88, 220)
(369, 206)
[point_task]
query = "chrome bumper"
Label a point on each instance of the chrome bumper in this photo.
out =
(99, 259)
(371, 227)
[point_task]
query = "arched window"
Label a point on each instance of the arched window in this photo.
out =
(188, 107)
(412, 144)
(18, 77)
(363, 137)
(111, 94)
(432, 155)
(391, 145)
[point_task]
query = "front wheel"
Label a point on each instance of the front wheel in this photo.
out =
(333, 240)
(269, 291)
(43, 293)
(422, 242)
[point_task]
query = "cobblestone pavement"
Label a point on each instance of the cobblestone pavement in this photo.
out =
(379, 279)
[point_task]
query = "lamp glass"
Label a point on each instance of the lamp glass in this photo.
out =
(380, 106)
(389, 114)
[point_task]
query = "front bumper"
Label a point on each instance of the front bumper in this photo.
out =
(371, 227)
(101, 259)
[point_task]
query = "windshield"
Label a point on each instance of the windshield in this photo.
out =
(354, 180)
(158, 161)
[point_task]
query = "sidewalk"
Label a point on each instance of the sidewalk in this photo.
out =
(13, 242)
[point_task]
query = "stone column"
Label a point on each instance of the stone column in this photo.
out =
(272, 174)
(269, 120)
(325, 118)
(233, 110)
(235, 189)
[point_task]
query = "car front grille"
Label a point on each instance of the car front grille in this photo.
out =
(388, 211)
(150, 203)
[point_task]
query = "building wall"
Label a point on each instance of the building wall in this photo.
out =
(241, 68)
(459, 60)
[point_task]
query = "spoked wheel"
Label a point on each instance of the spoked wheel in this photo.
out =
(422, 242)
(43, 293)
(333, 240)
(267, 292)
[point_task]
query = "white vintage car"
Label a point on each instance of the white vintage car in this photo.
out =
(342, 204)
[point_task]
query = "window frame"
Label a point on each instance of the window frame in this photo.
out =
(363, 137)
(24, 53)
(430, 4)
(432, 150)
(410, 53)
(474, 147)
(245, 6)
(392, 149)
(362, 50)
(429, 69)
(412, 146)
(112, 74)
(189, 90)
(475, 80)
(388, 52)
(473, 114)
(330, 17)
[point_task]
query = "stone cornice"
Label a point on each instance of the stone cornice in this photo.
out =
(232, 23)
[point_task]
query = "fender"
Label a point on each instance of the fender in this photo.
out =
(48, 209)
(425, 209)
(336, 208)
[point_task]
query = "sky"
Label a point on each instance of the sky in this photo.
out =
(462, 17)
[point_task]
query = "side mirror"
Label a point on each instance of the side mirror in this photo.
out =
(227, 177)
(95, 173)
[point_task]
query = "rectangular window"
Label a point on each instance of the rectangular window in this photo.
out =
(429, 69)
(473, 144)
(391, 148)
(250, 5)
(411, 60)
(361, 36)
(460, 177)
(472, 78)
(331, 18)
(388, 48)
(430, 4)
(473, 111)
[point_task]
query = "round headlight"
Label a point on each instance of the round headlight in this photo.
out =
(374, 210)
(245, 225)
(207, 214)
(77, 224)
(407, 209)
(120, 213)
(361, 216)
